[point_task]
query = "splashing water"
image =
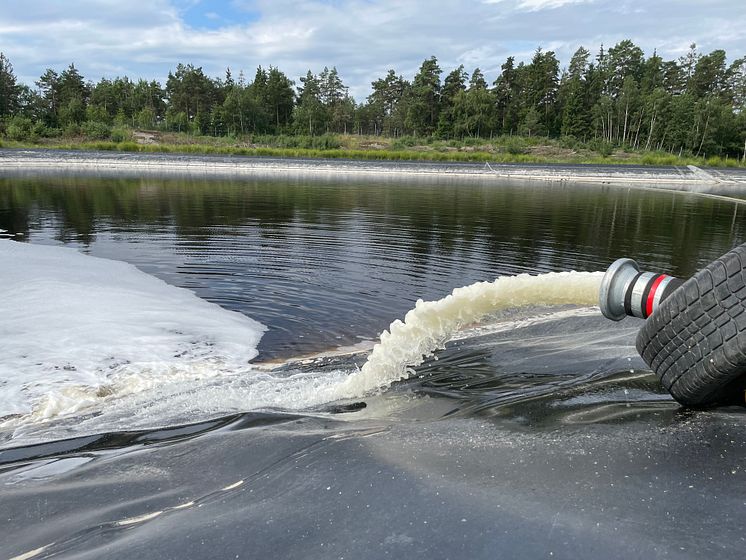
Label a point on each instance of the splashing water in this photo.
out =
(431, 323)
(80, 333)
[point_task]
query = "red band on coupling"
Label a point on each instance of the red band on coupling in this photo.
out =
(651, 295)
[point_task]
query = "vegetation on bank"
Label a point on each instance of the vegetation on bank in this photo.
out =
(617, 106)
(509, 149)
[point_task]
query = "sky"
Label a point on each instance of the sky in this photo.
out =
(362, 38)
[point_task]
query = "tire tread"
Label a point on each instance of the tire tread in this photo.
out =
(696, 340)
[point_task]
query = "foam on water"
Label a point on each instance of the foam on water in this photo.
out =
(431, 323)
(79, 333)
(76, 329)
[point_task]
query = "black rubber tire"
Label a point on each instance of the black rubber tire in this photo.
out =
(696, 340)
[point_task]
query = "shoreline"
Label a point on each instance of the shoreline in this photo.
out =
(43, 161)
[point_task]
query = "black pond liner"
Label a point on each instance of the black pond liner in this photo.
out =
(589, 457)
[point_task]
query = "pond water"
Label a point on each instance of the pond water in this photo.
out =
(329, 263)
(538, 433)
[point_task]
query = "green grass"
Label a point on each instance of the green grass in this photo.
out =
(500, 150)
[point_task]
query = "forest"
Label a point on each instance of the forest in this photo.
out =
(693, 105)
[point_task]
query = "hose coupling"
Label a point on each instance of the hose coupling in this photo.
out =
(625, 290)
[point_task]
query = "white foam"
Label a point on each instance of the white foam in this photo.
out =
(78, 333)
(181, 403)
(76, 329)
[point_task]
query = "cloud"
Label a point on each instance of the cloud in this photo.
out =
(536, 5)
(362, 38)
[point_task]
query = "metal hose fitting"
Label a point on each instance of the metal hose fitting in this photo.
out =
(625, 290)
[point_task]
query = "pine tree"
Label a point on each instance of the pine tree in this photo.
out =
(474, 108)
(48, 85)
(279, 98)
(572, 96)
(310, 115)
(454, 84)
(507, 96)
(424, 99)
(191, 92)
(388, 104)
(9, 89)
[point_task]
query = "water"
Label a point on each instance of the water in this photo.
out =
(115, 331)
(429, 325)
(536, 431)
(331, 263)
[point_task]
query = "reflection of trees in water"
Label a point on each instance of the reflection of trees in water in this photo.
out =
(15, 215)
(521, 224)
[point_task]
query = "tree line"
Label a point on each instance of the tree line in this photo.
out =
(694, 104)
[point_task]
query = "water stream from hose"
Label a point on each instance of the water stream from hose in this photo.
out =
(430, 324)
(89, 337)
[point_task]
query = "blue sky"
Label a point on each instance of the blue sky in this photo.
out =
(216, 14)
(362, 38)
